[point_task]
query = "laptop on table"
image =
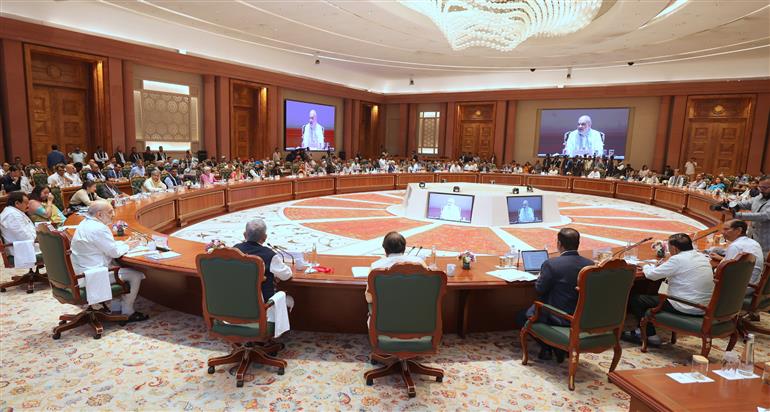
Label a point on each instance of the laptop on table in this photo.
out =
(533, 260)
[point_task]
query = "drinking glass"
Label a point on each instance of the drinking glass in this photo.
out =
(450, 269)
(730, 362)
(700, 367)
(766, 374)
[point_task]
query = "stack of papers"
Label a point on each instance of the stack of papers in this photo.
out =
(512, 275)
(164, 255)
(689, 377)
(360, 271)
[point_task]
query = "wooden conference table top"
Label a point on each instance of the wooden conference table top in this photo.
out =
(652, 390)
(165, 212)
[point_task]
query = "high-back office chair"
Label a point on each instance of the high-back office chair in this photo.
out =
(758, 301)
(28, 279)
(234, 310)
(136, 184)
(64, 285)
(720, 317)
(405, 320)
(598, 320)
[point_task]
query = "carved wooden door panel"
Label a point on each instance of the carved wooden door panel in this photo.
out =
(59, 116)
(486, 137)
(43, 132)
(242, 132)
(728, 146)
(470, 137)
(700, 146)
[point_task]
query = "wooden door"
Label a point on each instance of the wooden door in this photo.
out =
(242, 132)
(59, 116)
(470, 137)
(716, 146)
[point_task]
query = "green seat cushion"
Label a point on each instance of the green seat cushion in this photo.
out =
(763, 304)
(691, 323)
(560, 335)
(248, 330)
(65, 294)
(388, 344)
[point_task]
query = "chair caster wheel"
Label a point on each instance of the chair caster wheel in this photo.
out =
(439, 379)
(281, 371)
(412, 394)
(369, 382)
(122, 323)
(239, 384)
(2, 289)
(373, 362)
(62, 322)
(211, 370)
(98, 336)
(273, 354)
(56, 336)
(29, 291)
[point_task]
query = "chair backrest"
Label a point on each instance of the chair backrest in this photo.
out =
(730, 282)
(231, 285)
(55, 247)
(762, 292)
(7, 258)
(58, 200)
(406, 302)
(603, 295)
(136, 184)
(40, 179)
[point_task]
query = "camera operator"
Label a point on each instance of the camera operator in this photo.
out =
(757, 212)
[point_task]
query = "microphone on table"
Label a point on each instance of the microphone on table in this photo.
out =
(410, 250)
(418, 251)
(708, 232)
(282, 252)
(627, 248)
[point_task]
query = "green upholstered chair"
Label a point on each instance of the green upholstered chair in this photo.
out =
(126, 172)
(58, 200)
(225, 173)
(136, 184)
(598, 319)
(40, 179)
(405, 321)
(720, 318)
(234, 310)
(64, 285)
(28, 279)
(758, 301)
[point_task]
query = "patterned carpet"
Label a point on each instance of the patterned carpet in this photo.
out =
(160, 365)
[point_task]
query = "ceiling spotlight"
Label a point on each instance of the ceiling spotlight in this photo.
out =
(532, 69)
(317, 58)
(411, 81)
(317, 61)
(569, 73)
(630, 63)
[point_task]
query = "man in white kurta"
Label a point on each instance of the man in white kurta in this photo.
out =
(526, 214)
(584, 140)
(14, 222)
(153, 184)
(450, 211)
(313, 133)
(94, 246)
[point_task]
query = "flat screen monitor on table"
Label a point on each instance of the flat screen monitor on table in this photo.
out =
(525, 209)
(452, 207)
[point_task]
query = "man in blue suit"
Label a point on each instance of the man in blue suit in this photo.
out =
(556, 285)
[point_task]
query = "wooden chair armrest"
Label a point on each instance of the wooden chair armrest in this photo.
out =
(556, 311)
(684, 301)
(81, 276)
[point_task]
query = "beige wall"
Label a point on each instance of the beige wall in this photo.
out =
(339, 112)
(643, 123)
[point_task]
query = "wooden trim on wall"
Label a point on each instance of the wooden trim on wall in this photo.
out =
(209, 138)
(501, 109)
(450, 127)
(116, 99)
(223, 116)
(759, 158)
(510, 134)
(661, 135)
(129, 115)
(411, 133)
(15, 101)
(676, 132)
(403, 127)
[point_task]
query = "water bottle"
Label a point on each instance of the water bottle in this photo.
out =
(747, 359)
(433, 256)
(513, 256)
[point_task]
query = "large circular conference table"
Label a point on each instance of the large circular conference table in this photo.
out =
(334, 302)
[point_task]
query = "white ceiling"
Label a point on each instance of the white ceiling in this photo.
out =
(379, 45)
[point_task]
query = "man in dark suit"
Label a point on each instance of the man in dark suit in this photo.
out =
(556, 285)
(256, 235)
(55, 157)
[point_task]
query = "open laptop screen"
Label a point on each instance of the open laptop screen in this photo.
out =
(533, 259)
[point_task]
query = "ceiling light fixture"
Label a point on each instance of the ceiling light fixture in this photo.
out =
(504, 24)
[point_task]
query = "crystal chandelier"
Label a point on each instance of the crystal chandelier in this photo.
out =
(503, 24)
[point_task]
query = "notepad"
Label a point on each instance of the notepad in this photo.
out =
(164, 255)
(689, 378)
(512, 275)
(360, 271)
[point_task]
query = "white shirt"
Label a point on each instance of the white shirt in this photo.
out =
(101, 157)
(745, 244)
(689, 167)
(150, 186)
(455, 169)
(526, 214)
(78, 157)
(594, 175)
(589, 143)
(94, 246)
(55, 180)
(313, 136)
(75, 178)
(26, 185)
(689, 276)
(16, 226)
(392, 259)
(279, 269)
(451, 212)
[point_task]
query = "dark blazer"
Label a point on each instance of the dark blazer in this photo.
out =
(255, 249)
(557, 281)
(108, 191)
